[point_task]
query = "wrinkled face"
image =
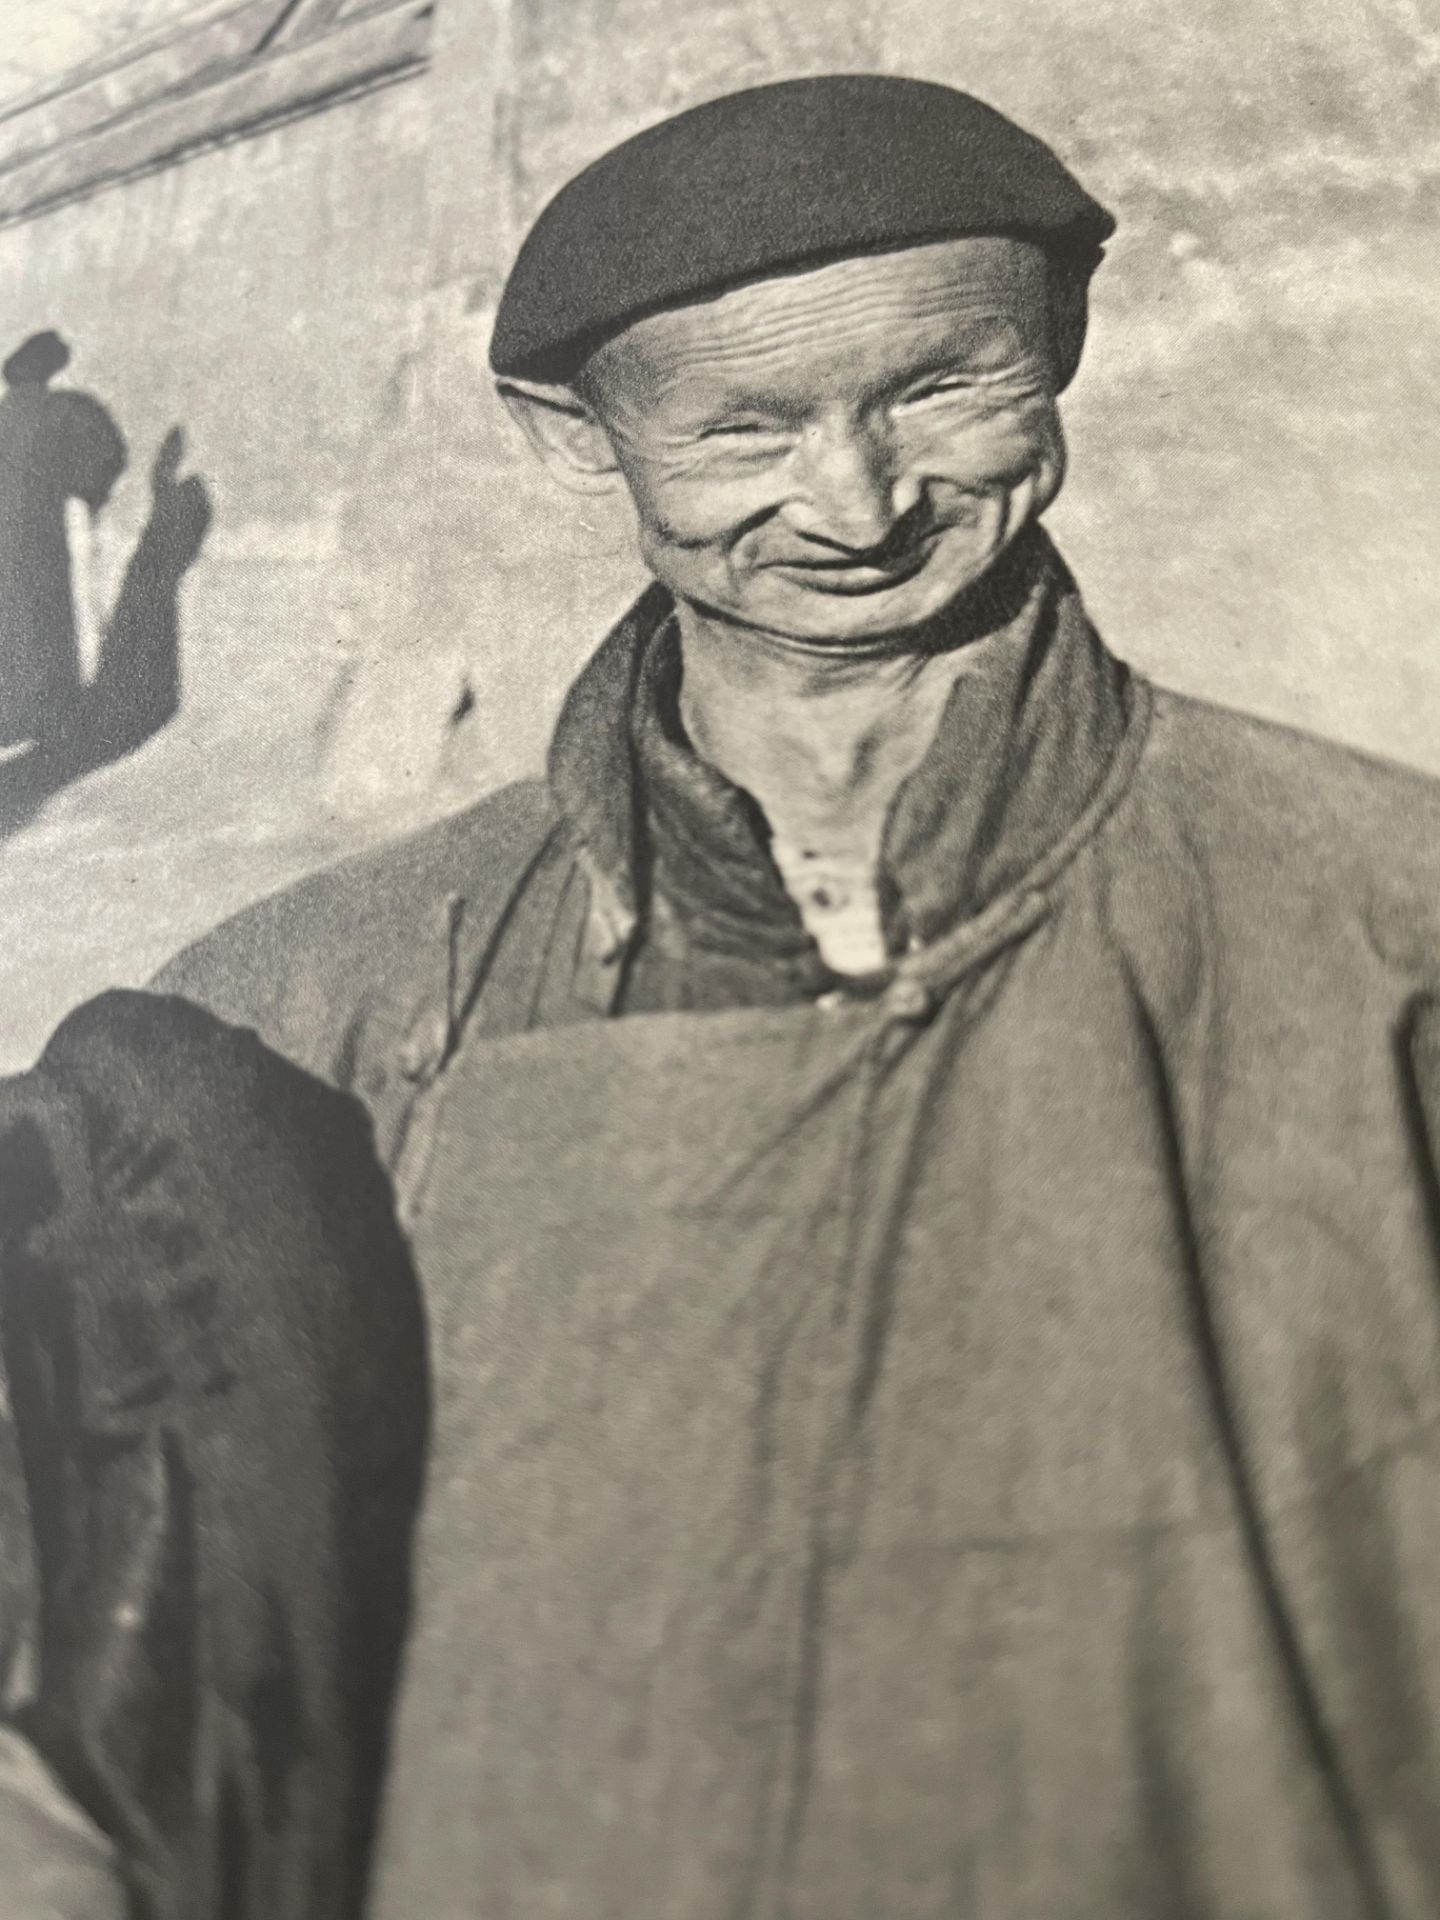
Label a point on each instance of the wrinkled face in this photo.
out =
(834, 455)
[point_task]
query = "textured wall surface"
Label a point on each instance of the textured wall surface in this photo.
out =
(391, 599)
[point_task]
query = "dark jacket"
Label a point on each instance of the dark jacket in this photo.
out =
(216, 1370)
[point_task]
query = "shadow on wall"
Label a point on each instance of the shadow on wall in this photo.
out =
(58, 445)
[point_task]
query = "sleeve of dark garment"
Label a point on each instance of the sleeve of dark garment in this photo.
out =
(55, 1864)
(216, 1357)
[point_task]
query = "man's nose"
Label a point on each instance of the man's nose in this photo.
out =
(852, 496)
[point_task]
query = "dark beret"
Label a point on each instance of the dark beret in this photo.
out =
(771, 179)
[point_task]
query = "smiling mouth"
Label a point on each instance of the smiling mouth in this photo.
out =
(852, 573)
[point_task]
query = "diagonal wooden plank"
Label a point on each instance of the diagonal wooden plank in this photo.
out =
(357, 55)
(298, 20)
(96, 94)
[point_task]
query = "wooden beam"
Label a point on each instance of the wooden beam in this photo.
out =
(210, 89)
(299, 19)
(102, 90)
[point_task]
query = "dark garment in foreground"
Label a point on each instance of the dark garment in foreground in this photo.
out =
(962, 1446)
(216, 1367)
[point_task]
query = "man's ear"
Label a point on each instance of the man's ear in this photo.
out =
(564, 432)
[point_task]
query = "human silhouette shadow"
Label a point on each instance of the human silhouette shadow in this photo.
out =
(56, 445)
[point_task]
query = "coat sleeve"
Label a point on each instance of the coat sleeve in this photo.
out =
(55, 1863)
(216, 1356)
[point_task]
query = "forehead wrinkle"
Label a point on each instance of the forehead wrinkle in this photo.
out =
(1003, 273)
(677, 348)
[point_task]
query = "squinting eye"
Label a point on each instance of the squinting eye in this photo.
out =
(938, 387)
(733, 429)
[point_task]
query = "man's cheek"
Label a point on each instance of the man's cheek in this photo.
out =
(700, 513)
(1000, 451)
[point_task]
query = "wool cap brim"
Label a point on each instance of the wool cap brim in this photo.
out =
(769, 180)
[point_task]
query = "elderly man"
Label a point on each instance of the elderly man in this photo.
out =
(915, 1144)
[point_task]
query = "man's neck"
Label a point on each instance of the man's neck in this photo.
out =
(821, 741)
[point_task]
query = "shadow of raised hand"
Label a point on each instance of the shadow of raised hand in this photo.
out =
(137, 685)
(180, 510)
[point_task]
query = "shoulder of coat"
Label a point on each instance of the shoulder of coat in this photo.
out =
(1296, 785)
(1301, 819)
(295, 966)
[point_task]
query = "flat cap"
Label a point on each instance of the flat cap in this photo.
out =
(774, 178)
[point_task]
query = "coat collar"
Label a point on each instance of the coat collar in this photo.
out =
(1027, 740)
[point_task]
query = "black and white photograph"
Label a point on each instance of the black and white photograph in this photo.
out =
(720, 1008)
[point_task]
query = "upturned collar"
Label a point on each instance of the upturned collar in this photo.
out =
(673, 849)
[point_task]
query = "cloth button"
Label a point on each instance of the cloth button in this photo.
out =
(424, 1047)
(831, 899)
(908, 1000)
(1403, 932)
